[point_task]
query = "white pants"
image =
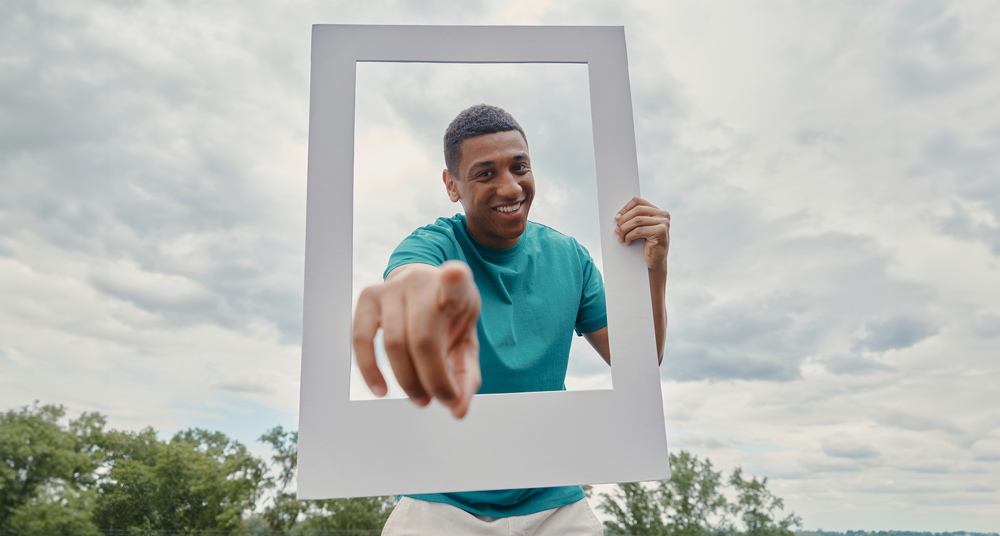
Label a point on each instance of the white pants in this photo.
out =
(413, 517)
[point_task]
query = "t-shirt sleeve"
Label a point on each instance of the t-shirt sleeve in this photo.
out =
(426, 245)
(593, 314)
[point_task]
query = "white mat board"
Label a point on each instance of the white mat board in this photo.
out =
(384, 447)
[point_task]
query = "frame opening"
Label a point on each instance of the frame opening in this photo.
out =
(401, 113)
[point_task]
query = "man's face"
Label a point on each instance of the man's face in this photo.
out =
(495, 186)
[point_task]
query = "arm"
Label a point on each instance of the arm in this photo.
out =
(657, 290)
(641, 219)
(599, 340)
(658, 293)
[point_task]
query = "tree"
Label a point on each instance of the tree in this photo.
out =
(284, 509)
(692, 503)
(692, 496)
(199, 480)
(45, 465)
(62, 512)
(756, 506)
(683, 505)
(74, 478)
(362, 514)
(637, 510)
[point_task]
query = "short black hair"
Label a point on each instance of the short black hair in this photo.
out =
(475, 121)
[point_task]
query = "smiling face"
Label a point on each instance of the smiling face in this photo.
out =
(495, 186)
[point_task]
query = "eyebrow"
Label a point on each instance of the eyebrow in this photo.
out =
(487, 163)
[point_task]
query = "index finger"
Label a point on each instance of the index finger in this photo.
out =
(632, 203)
(458, 291)
(424, 339)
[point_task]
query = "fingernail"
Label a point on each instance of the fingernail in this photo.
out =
(378, 390)
(422, 401)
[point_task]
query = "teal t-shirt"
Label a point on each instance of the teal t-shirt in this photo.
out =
(533, 297)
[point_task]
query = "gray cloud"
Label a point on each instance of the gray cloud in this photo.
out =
(987, 450)
(972, 163)
(801, 148)
(893, 334)
(854, 365)
(817, 137)
(907, 421)
(987, 326)
(767, 336)
(924, 47)
(839, 446)
(107, 152)
(712, 364)
(243, 387)
(838, 465)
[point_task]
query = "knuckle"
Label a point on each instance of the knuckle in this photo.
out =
(463, 267)
(443, 393)
(394, 345)
(357, 337)
(411, 386)
(424, 344)
(368, 294)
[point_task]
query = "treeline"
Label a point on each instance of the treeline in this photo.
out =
(822, 532)
(77, 478)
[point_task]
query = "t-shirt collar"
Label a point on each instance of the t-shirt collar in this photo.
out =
(493, 253)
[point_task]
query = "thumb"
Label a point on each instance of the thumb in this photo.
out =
(458, 289)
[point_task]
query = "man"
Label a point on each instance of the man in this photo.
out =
(490, 276)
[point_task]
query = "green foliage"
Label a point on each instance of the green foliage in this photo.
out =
(286, 453)
(756, 507)
(821, 532)
(637, 510)
(284, 512)
(362, 514)
(56, 513)
(75, 478)
(692, 496)
(199, 480)
(692, 503)
(38, 454)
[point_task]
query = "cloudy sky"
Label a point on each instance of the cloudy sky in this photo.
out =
(832, 168)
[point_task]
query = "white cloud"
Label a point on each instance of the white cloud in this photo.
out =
(830, 168)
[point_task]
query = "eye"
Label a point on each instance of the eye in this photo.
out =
(521, 167)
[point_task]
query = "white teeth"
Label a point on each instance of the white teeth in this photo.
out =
(512, 208)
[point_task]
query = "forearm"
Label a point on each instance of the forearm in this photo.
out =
(658, 292)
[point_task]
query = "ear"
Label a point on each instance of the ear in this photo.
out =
(449, 184)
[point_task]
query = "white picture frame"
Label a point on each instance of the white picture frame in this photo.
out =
(519, 440)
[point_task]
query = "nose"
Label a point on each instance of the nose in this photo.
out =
(509, 185)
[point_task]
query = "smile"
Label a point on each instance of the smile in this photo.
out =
(508, 208)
